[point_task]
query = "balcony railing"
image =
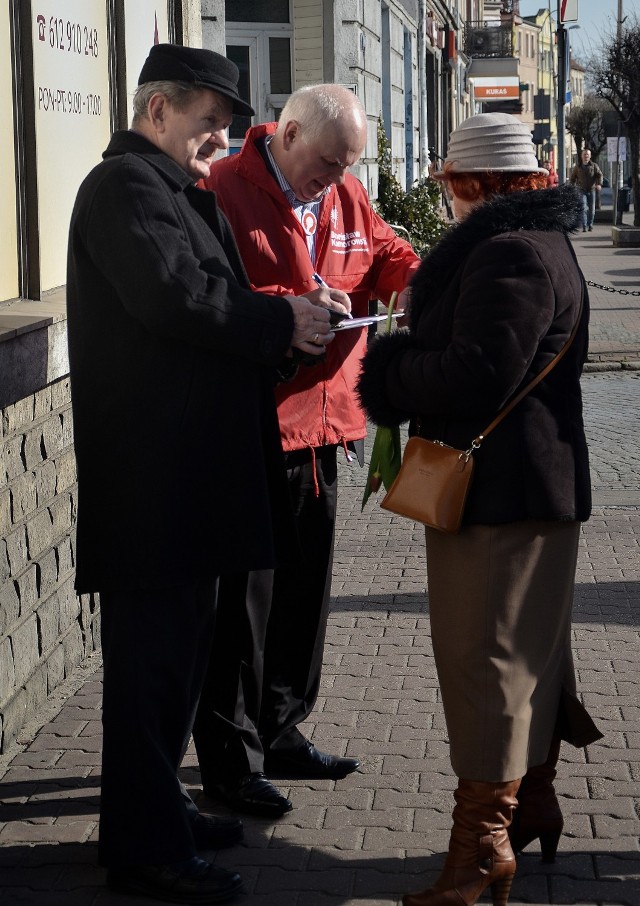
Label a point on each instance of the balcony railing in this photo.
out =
(485, 39)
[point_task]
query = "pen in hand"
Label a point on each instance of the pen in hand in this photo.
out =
(336, 316)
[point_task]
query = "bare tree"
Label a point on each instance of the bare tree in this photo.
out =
(585, 122)
(616, 74)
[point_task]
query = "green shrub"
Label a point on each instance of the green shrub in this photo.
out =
(417, 210)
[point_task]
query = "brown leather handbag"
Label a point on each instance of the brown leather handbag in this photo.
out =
(432, 484)
(434, 479)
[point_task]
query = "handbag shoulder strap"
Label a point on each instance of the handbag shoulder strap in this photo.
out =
(536, 380)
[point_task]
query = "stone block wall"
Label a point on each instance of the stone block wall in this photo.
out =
(45, 628)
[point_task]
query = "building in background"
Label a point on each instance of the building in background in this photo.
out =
(491, 44)
(545, 131)
(527, 37)
(280, 46)
(67, 75)
(577, 74)
(400, 56)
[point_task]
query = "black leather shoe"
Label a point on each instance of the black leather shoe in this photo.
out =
(211, 832)
(252, 794)
(307, 763)
(193, 881)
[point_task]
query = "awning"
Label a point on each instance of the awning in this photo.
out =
(493, 66)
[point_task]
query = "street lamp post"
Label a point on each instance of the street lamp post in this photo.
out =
(561, 100)
(616, 164)
(563, 49)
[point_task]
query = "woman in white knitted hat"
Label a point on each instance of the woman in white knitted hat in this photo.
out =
(492, 304)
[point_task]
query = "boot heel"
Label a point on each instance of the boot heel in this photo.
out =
(549, 845)
(500, 890)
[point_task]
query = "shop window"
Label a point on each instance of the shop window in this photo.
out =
(67, 74)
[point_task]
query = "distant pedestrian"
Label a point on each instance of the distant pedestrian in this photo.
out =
(552, 178)
(587, 175)
(491, 305)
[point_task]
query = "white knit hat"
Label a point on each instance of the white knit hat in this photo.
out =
(492, 141)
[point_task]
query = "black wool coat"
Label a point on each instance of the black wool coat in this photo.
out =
(491, 305)
(180, 466)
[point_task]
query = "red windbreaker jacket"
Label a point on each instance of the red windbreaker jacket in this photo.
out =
(356, 252)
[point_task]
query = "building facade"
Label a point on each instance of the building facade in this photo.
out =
(68, 70)
(67, 75)
(384, 51)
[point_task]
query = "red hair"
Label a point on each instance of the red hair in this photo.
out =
(476, 186)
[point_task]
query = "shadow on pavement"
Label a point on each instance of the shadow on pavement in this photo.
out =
(608, 602)
(289, 875)
(601, 602)
(282, 868)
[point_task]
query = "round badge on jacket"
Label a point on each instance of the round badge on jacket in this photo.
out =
(309, 223)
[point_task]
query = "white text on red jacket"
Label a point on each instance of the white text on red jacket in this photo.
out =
(343, 243)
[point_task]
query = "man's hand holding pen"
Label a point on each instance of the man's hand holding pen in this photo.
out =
(314, 314)
(312, 326)
(334, 299)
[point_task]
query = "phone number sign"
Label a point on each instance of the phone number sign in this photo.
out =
(72, 113)
(69, 54)
(70, 36)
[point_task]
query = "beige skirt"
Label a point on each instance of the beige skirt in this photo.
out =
(500, 601)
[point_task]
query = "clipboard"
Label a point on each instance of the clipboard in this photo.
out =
(351, 323)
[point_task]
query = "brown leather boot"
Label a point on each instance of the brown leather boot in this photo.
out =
(480, 854)
(538, 814)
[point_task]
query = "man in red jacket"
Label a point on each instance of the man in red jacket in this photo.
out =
(304, 226)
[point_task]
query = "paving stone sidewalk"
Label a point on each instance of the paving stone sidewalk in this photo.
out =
(615, 317)
(383, 831)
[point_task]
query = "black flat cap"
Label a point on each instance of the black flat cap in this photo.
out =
(175, 63)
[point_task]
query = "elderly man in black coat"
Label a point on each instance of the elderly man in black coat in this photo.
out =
(180, 468)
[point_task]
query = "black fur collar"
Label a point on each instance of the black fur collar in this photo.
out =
(545, 210)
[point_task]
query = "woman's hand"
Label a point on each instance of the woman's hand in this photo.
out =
(402, 305)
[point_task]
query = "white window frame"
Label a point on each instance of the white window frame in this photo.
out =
(255, 35)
